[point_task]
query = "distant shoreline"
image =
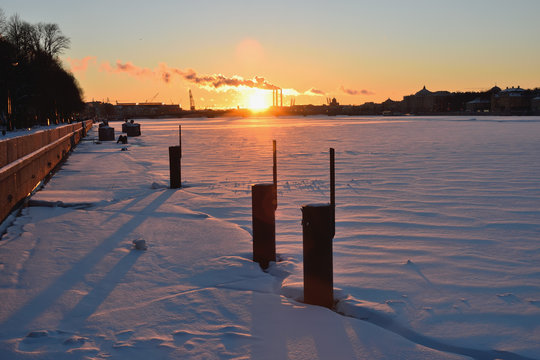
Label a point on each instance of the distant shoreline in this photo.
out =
(286, 111)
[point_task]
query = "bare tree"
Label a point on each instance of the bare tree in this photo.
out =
(14, 31)
(30, 39)
(23, 36)
(3, 22)
(52, 41)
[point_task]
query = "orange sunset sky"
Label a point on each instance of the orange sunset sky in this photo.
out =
(229, 52)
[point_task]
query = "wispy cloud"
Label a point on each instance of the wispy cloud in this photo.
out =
(80, 65)
(314, 92)
(166, 73)
(129, 69)
(356, 92)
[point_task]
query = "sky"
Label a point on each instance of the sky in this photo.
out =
(232, 53)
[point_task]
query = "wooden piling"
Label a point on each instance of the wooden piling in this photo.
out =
(175, 167)
(263, 202)
(175, 162)
(333, 188)
(317, 235)
(274, 146)
(318, 230)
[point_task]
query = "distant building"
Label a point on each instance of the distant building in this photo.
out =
(390, 107)
(126, 110)
(130, 109)
(535, 105)
(478, 105)
(425, 101)
(511, 101)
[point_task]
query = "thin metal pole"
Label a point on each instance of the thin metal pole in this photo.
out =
(332, 178)
(275, 165)
(180, 136)
(333, 191)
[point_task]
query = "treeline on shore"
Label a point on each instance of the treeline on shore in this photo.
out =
(34, 87)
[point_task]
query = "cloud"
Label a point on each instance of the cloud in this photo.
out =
(356, 92)
(314, 92)
(80, 65)
(165, 73)
(219, 81)
(290, 92)
(214, 82)
(130, 69)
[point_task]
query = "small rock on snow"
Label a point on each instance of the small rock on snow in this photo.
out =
(140, 244)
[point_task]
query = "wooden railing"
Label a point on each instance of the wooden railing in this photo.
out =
(26, 160)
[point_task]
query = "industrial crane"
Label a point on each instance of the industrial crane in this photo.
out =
(153, 97)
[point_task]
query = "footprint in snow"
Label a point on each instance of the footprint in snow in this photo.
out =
(509, 298)
(39, 339)
(75, 340)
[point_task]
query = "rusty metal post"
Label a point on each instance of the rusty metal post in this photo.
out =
(275, 167)
(333, 186)
(175, 162)
(175, 168)
(263, 201)
(318, 232)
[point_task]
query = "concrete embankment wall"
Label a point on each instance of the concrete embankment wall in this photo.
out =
(26, 160)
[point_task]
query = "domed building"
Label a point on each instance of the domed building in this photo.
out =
(425, 101)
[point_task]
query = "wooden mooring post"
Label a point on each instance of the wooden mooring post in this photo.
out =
(175, 162)
(318, 230)
(264, 205)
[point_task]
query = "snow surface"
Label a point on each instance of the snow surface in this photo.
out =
(436, 253)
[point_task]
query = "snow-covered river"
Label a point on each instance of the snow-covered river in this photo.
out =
(437, 220)
(437, 240)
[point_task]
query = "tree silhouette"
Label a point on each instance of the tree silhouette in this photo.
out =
(34, 87)
(51, 39)
(2, 22)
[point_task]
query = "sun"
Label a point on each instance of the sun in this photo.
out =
(257, 100)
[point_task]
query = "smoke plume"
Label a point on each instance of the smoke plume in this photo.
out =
(211, 82)
(80, 65)
(165, 73)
